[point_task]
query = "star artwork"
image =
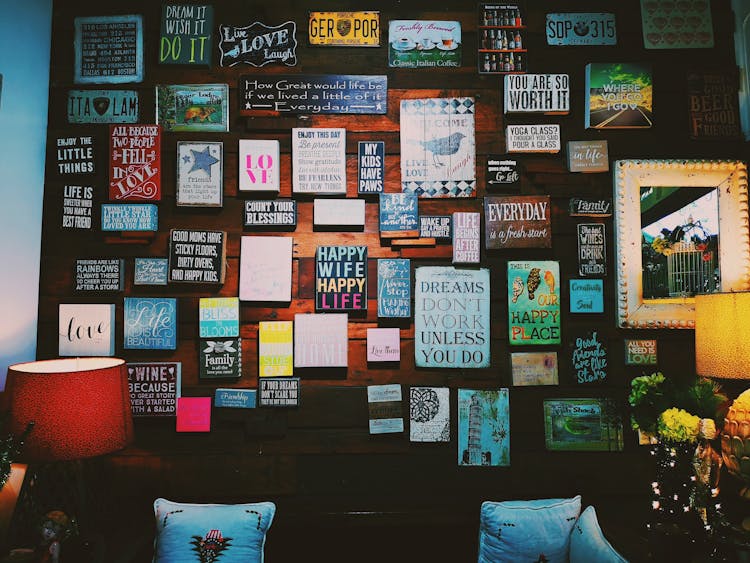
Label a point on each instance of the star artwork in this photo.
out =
(200, 173)
(202, 160)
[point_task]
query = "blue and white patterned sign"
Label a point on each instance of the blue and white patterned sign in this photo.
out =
(150, 323)
(394, 288)
(130, 217)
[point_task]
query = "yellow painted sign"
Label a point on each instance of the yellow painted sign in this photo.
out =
(350, 29)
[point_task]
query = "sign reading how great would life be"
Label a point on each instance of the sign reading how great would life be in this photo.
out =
(592, 259)
(154, 388)
(313, 94)
(346, 29)
(102, 274)
(186, 34)
(258, 44)
(517, 222)
(371, 167)
(108, 49)
(276, 214)
(452, 317)
(77, 206)
(581, 29)
(197, 256)
(533, 138)
(319, 160)
(102, 106)
(200, 176)
(341, 278)
(75, 155)
(534, 302)
(537, 93)
(135, 162)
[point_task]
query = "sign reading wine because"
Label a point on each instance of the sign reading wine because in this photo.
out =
(154, 387)
(517, 222)
(135, 163)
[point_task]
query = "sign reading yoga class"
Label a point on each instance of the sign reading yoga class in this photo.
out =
(258, 44)
(341, 278)
(102, 106)
(517, 222)
(533, 302)
(547, 94)
(108, 49)
(185, 37)
(533, 138)
(344, 29)
(135, 163)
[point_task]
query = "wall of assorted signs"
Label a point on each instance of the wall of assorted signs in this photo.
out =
(392, 242)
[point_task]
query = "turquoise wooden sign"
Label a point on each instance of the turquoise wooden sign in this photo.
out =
(534, 302)
(586, 296)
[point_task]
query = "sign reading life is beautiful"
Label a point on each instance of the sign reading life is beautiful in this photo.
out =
(534, 302)
(77, 205)
(258, 44)
(200, 173)
(135, 162)
(589, 358)
(346, 29)
(130, 217)
(154, 387)
(108, 49)
(150, 323)
(313, 94)
(197, 256)
(276, 214)
(517, 222)
(592, 259)
(394, 288)
(186, 34)
(452, 317)
(75, 155)
(102, 274)
(319, 160)
(581, 29)
(586, 296)
(588, 156)
(341, 278)
(547, 94)
(502, 171)
(371, 167)
(533, 138)
(102, 106)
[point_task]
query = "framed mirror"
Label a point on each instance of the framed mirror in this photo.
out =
(681, 229)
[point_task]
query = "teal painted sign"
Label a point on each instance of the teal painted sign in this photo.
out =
(102, 106)
(534, 302)
(130, 217)
(581, 29)
(586, 296)
(235, 398)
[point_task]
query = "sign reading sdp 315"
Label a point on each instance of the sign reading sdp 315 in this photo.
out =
(581, 29)
(350, 29)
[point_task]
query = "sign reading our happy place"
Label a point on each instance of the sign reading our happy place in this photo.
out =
(534, 302)
(341, 278)
(547, 94)
(258, 44)
(185, 36)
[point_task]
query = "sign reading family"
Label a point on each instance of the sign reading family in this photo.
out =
(548, 94)
(135, 162)
(102, 106)
(423, 44)
(534, 302)
(220, 358)
(186, 34)
(108, 49)
(311, 94)
(517, 222)
(341, 278)
(452, 317)
(197, 256)
(258, 44)
(533, 138)
(581, 29)
(346, 29)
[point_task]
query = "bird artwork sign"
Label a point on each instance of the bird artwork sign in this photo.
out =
(534, 302)
(437, 147)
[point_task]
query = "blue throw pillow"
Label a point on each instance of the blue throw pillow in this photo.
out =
(203, 532)
(587, 542)
(526, 530)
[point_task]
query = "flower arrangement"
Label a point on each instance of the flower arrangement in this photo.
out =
(10, 447)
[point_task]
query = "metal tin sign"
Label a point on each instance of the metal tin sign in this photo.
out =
(502, 171)
(548, 94)
(581, 29)
(258, 44)
(533, 138)
(108, 49)
(592, 258)
(534, 302)
(424, 44)
(349, 29)
(371, 167)
(102, 106)
(193, 107)
(311, 94)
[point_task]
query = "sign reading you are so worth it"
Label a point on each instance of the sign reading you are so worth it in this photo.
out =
(537, 93)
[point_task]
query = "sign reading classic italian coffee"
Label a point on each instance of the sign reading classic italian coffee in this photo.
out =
(102, 106)
(186, 34)
(533, 138)
(345, 29)
(547, 94)
(517, 222)
(258, 44)
(108, 49)
(135, 162)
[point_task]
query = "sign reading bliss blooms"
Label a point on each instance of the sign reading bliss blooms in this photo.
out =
(483, 427)
(534, 302)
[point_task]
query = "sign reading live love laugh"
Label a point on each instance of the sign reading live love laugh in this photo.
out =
(258, 44)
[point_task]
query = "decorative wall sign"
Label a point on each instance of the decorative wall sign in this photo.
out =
(338, 212)
(619, 96)
(582, 207)
(384, 406)
(345, 29)
(193, 414)
(534, 368)
(102, 106)
(533, 138)
(429, 414)
(383, 345)
(582, 425)
(501, 43)
(259, 166)
(581, 29)
(713, 103)
(197, 256)
(321, 340)
(547, 94)
(681, 25)
(502, 172)
(271, 214)
(589, 358)
(592, 249)
(588, 156)
(399, 215)
(135, 163)
(200, 173)
(86, 329)
(220, 358)
(218, 317)
(452, 317)
(424, 44)
(74, 155)
(77, 205)
(483, 427)
(318, 160)
(150, 323)
(394, 288)
(370, 167)
(313, 94)
(437, 227)
(258, 44)
(341, 278)
(103, 274)
(279, 392)
(154, 387)
(266, 269)
(185, 37)
(235, 398)
(466, 229)
(534, 302)
(517, 222)
(108, 49)
(130, 217)
(437, 147)
(193, 107)
(275, 348)
(640, 352)
(151, 271)
(586, 296)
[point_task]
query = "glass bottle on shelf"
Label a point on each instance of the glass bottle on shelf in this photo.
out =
(519, 63)
(493, 63)
(511, 41)
(486, 65)
(505, 40)
(518, 18)
(511, 63)
(506, 63)
(517, 40)
(498, 40)
(504, 21)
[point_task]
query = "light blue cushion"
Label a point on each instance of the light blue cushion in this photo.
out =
(588, 544)
(237, 531)
(524, 530)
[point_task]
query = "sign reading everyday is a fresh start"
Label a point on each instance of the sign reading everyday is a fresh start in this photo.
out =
(537, 93)
(517, 222)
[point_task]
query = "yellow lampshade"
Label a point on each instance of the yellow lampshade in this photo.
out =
(722, 335)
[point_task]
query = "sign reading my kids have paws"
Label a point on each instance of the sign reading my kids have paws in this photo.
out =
(534, 302)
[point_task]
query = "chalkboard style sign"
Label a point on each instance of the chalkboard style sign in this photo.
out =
(534, 302)
(502, 172)
(197, 256)
(86, 329)
(74, 155)
(581, 29)
(589, 358)
(371, 167)
(77, 207)
(220, 358)
(130, 217)
(150, 271)
(186, 34)
(437, 227)
(592, 245)
(345, 29)
(640, 352)
(591, 424)
(102, 106)
(258, 44)
(270, 214)
(319, 160)
(713, 103)
(588, 156)
(384, 407)
(279, 392)
(102, 274)
(582, 207)
(321, 340)
(517, 222)
(341, 278)
(394, 288)
(466, 237)
(154, 387)
(424, 44)
(586, 296)
(108, 49)
(313, 94)
(399, 215)
(200, 173)
(150, 323)
(547, 94)
(193, 107)
(260, 166)
(135, 163)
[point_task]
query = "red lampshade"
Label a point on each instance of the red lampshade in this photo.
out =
(80, 407)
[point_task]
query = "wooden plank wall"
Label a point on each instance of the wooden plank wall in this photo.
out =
(318, 462)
